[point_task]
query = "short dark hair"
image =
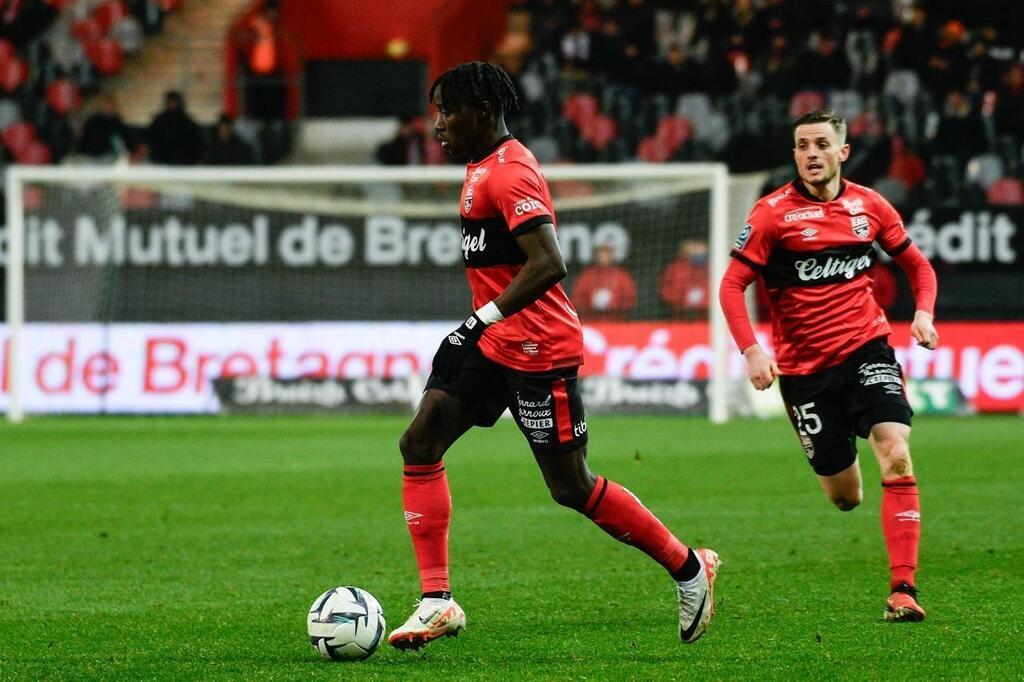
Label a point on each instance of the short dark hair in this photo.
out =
(473, 83)
(837, 122)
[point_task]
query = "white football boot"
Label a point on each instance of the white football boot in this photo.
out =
(696, 597)
(432, 618)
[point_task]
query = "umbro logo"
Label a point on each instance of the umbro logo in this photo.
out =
(539, 436)
(909, 515)
(454, 340)
(809, 234)
(411, 518)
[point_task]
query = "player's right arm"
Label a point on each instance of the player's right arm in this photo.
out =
(750, 251)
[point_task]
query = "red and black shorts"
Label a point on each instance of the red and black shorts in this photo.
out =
(830, 408)
(546, 406)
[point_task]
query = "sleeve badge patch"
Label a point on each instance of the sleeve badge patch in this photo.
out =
(741, 240)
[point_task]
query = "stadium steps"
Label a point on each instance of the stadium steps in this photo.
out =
(188, 55)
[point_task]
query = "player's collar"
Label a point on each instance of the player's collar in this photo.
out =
(802, 189)
(490, 151)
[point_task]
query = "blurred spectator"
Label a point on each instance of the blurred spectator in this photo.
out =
(960, 133)
(104, 134)
(1009, 113)
(684, 283)
(259, 38)
(824, 66)
(175, 139)
(604, 290)
(407, 147)
(227, 148)
(906, 166)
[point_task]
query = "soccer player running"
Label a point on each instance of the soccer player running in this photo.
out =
(520, 350)
(811, 242)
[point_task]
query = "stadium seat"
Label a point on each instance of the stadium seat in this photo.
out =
(1006, 192)
(545, 149)
(63, 96)
(892, 189)
(903, 86)
(674, 131)
(580, 108)
(805, 101)
(693, 105)
(106, 55)
(984, 169)
(653, 150)
(10, 113)
(35, 153)
(712, 130)
(847, 103)
(13, 73)
(18, 136)
(599, 132)
(87, 30)
(128, 34)
(7, 51)
(109, 14)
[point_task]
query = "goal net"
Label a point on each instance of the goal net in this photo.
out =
(155, 290)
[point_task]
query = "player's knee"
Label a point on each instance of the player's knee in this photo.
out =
(418, 450)
(571, 496)
(894, 454)
(847, 501)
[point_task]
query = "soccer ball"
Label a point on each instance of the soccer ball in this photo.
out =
(345, 623)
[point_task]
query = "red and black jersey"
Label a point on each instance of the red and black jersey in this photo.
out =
(505, 195)
(815, 258)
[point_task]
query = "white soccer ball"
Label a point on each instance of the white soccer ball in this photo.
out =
(345, 623)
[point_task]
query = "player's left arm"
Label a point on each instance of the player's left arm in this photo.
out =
(894, 240)
(544, 268)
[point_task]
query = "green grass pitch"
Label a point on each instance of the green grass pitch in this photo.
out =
(191, 548)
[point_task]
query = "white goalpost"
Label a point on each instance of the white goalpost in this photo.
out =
(110, 252)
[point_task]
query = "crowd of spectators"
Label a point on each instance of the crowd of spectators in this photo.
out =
(933, 92)
(53, 57)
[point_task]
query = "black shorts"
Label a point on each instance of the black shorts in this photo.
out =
(546, 406)
(830, 408)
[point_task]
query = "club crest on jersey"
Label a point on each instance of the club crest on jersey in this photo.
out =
(741, 240)
(854, 206)
(860, 226)
(471, 187)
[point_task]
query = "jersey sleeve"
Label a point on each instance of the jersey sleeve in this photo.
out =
(521, 194)
(754, 244)
(892, 236)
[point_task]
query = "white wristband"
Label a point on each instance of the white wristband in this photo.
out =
(489, 313)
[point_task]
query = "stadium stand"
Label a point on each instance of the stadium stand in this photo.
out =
(935, 85)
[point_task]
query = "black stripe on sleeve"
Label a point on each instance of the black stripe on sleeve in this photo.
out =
(743, 259)
(600, 496)
(532, 224)
(423, 473)
(899, 249)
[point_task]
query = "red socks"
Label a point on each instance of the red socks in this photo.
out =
(620, 514)
(901, 526)
(428, 511)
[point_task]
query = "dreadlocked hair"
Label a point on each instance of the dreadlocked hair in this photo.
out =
(473, 83)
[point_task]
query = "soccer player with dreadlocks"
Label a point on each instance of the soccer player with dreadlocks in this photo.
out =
(520, 349)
